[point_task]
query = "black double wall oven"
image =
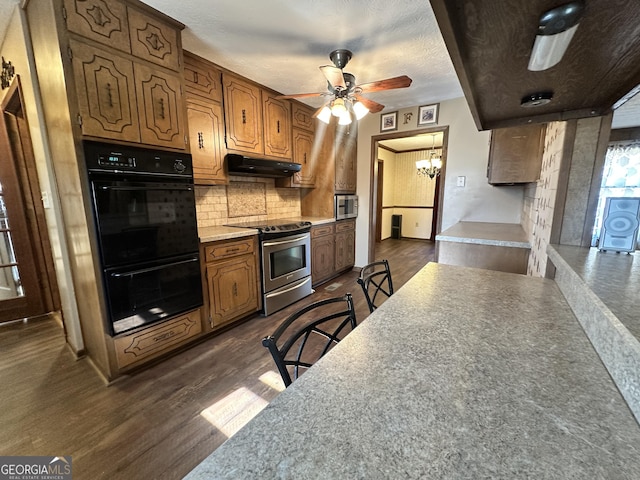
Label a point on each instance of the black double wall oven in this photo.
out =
(144, 210)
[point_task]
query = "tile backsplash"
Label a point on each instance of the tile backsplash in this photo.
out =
(243, 200)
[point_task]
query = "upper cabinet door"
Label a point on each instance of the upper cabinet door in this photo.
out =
(106, 93)
(303, 117)
(346, 160)
(303, 154)
(243, 115)
(202, 78)
(277, 126)
(154, 40)
(160, 107)
(100, 20)
(206, 135)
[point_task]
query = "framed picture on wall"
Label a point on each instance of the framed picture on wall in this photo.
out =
(388, 121)
(428, 114)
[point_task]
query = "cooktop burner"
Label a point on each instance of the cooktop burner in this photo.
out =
(274, 226)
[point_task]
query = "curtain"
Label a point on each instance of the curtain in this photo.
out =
(621, 178)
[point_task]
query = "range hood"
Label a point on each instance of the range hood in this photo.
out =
(260, 167)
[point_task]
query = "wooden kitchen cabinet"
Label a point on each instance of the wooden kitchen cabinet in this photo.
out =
(346, 159)
(276, 114)
(205, 117)
(206, 137)
(515, 155)
(322, 253)
(150, 342)
(231, 279)
(100, 21)
(303, 153)
(202, 78)
(106, 93)
(160, 107)
(243, 114)
(121, 93)
(302, 117)
(345, 244)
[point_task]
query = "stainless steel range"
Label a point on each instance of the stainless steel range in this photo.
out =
(285, 254)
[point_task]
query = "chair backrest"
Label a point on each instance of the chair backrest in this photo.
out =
(306, 335)
(376, 283)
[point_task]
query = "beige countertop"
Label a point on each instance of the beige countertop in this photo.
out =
(462, 373)
(485, 233)
(214, 234)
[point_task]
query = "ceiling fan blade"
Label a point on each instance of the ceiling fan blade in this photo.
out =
(388, 84)
(302, 95)
(334, 76)
(374, 107)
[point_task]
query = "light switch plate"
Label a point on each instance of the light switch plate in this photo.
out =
(462, 180)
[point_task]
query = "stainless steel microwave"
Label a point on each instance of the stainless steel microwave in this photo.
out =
(346, 206)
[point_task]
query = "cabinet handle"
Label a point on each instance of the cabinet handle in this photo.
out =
(162, 108)
(305, 158)
(109, 96)
(200, 140)
(154, 41)
(278, 126)
(322, 258)
(98, 16)
(244, 116)
(235, 289)
(231, 250)
(195, 77)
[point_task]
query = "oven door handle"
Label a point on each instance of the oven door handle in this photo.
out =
(281, 292)
(284, 242)
(152, 269)
(148, 187)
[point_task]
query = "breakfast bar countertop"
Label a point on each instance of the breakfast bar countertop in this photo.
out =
(462, 373)
(484, 233)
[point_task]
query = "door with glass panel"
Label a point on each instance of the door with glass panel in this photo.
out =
(21, 280)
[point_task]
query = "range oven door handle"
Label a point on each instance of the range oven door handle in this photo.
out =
(152, 269)
(295, 287)
(284, 242)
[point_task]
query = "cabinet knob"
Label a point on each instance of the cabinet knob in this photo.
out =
(244, 116)
(200, 140)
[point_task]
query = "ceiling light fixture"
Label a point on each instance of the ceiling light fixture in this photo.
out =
(536, 99)
(432, 166)
(555, 31)
(338, 107)
(325, 115)
(360, 110)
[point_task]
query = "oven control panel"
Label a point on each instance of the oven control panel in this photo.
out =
(103, 157)
(113, 160)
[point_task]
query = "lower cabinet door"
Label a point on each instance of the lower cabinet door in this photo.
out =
(233, 289)
(322, 258)
(153, 341)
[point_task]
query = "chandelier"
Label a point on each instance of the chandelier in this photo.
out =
(430, 167)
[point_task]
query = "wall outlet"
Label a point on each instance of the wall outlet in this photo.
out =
(45, 199)
(462, 180)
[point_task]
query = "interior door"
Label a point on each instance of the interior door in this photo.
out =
(27, 284)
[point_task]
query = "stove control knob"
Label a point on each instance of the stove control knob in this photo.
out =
(178, 166)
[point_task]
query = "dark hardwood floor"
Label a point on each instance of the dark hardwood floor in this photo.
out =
(164, 420)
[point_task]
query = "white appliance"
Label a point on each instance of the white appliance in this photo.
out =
(620, 224)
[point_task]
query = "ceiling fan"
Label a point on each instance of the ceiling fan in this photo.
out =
(345, 96)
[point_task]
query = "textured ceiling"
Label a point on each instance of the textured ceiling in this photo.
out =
(281, 43)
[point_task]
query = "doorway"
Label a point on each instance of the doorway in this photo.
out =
(426, 213)
(27, 281)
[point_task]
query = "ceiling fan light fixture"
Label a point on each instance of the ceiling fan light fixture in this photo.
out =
(325, 115)
(360, 110)
(338, 108)
(345, 118)
(555, 31)
(537, 99)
